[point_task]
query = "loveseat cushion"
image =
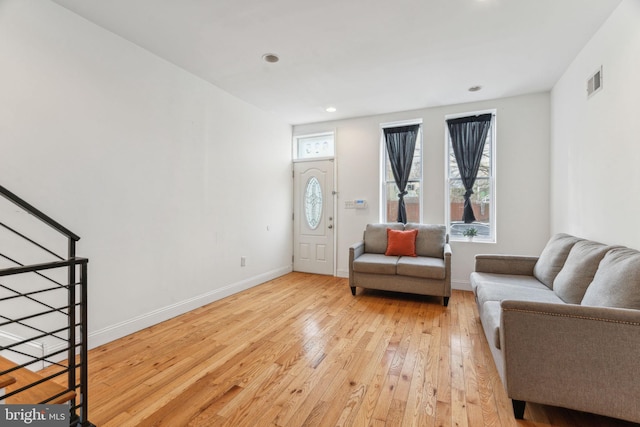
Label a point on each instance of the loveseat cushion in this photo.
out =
(375, 236)
(553, 257)
(375, 263)
(425, 267)
(617, 281)
(430, 240)
(577, 273)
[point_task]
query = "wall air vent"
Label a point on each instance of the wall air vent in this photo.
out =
(594, 84)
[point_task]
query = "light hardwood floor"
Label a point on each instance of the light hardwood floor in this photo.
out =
(301, 351)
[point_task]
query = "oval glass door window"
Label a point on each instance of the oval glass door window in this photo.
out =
(313, 203)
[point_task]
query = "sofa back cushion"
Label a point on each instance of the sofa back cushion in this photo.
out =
(578, 270)
(617, 281)
(375, 237)
(553, 257)
(430, 240)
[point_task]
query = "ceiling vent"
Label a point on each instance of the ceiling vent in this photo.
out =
(594, 84)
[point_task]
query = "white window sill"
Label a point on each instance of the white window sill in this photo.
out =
(474, 240)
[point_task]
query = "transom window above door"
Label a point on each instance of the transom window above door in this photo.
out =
(314, 146)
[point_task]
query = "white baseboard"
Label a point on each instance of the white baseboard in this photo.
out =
(119, 330)
(461, 285)
(343, 273)
(32, 350)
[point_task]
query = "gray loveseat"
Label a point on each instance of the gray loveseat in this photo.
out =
(428, 273)
(564, 327)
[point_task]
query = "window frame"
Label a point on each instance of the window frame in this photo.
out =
(384, 159)
(492, 238)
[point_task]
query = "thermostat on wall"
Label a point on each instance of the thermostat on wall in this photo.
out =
(360, 203)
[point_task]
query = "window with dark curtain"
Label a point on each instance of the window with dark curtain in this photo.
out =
(400, 143)
(468, 136)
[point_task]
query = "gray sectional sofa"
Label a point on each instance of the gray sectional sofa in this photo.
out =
(564, 327)
(428, 273)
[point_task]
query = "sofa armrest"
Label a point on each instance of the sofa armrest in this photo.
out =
(505, 264)
(578, 357)
(355, 251)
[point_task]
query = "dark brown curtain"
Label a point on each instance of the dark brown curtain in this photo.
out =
(468, 135)
(401, 144)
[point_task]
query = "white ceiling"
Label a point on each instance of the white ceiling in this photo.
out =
(363, 57)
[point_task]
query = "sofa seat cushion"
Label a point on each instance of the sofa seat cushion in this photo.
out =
(490, 319)
(494, 292)
(552, 258)
(375, 263)
(617, 281)
(578, 271)
(505, 279)
(425, 267)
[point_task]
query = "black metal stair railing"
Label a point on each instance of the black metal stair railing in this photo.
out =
(51, 305)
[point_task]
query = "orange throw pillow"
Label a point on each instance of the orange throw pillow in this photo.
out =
(401, 243)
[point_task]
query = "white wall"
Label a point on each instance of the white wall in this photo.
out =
(167, 179)
(153, 148)
(522, 168)
(595, 142)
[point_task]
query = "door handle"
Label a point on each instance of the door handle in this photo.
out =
(330, 225)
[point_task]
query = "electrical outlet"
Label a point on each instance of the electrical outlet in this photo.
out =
(243, 261)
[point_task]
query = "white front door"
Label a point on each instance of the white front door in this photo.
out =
(313, 217)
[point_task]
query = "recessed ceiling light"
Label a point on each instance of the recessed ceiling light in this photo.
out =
(270, 57)
(474, 88)
(330, 109)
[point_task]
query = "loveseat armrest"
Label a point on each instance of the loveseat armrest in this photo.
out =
(447, 272)
(573, 356)
(447, 263)
(447, 251)
(355, 251)
(505, 264)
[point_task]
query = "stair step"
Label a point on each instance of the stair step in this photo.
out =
(34, 395)
(6, 380)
